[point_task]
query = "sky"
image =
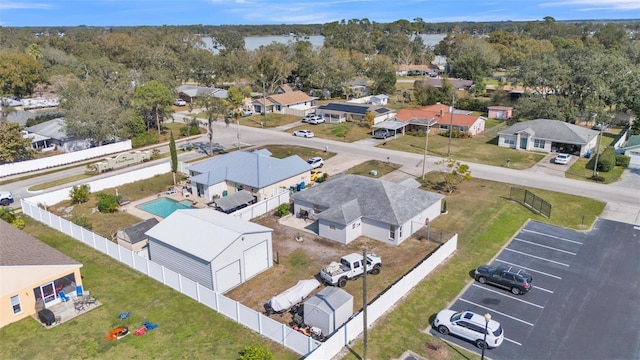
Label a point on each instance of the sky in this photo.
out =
(16, 13)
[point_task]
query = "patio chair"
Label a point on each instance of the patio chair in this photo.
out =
(79, 291)
(124, 315)
(150, 326)
(78, 305)
(63, 297)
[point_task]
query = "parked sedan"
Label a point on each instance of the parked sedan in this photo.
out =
(512, 278)
(304, 133)
(562, 159)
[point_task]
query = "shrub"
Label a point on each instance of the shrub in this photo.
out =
(597, 178)
(107, 203)
(79, 194)
(607, 160)
(622, 160)
(256, 352)
(191, 129)
(82, 221)
(283, 209)
(144, 139)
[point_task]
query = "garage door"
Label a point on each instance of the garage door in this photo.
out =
(634, 158)
(256, 259)
(228, 277)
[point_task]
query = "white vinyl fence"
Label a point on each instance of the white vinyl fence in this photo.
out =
(232, 309)
(56, 196)
(376, 309)
(63, 159)
(262, 207)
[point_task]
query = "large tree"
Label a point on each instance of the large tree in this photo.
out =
(19, 74)
(13, 146)
(473, 57)
(153, 100)
(383, 74)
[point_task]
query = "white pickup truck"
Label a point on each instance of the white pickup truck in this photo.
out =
(350, 267)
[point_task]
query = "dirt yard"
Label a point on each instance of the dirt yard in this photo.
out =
(299, 260)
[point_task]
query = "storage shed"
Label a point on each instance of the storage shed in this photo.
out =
(328, 309)
(217, 250)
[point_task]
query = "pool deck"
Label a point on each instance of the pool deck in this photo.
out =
(132, 209)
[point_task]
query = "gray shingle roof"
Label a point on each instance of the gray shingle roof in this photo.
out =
(17, 248)
(254, 169)
(554, 130)
(195, 91)
(136, 232)
(376, 199)
(55, 129)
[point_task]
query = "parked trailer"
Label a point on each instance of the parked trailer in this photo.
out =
(123, 160)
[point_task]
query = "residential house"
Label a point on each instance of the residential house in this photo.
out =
(285, 88)
(413, 70)
(256, 172)
(339, 112)
(294, 103)
(134, 237)
(632, 149)
(348, 206)
(189, 93)
(32, 275)
(216, 250)
(439, 116)
(549, 136)
(500, 112)
(376, 100)
(53, 133)
(458, 84)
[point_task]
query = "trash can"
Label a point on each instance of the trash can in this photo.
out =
(588, 155)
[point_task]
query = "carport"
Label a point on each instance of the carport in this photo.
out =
(229, 203)
(391, 125)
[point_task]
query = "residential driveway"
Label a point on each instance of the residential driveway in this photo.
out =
(583, 304)
(548, 166)
(341, 163)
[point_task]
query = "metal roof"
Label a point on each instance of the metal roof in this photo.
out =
(55, 129)
(352, 108)
(255, 169)
(136, 232)
(377, 199)
(554, 130)
(234, 200)
(390, 124)
(203, 233)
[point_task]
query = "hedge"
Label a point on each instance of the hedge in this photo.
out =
(607, 160)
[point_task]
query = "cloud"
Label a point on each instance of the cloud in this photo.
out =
(11, 5)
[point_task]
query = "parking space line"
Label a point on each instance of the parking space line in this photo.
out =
(545, 246)
(497, 312)
(537, 257)
(510, 297)
(511, 341)
(543, 289)
(532, 270)
(551, 236)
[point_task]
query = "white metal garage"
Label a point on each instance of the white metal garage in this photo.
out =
(256, 259)
(228, 277)
(216, 250)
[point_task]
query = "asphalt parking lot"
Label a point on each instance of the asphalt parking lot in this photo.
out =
(584, 302)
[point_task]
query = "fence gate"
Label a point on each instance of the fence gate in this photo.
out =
(530, 200)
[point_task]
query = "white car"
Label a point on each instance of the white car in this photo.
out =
(562, 159)
(180, 102)
(304, 133)
(316, 162)
(308, 117)
(316, 120)
(6, 198)
(469, 326)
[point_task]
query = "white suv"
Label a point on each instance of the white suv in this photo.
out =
(470, 326)
(562, 159)
(6, 198)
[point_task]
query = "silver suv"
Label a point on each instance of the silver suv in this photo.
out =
(6, 198)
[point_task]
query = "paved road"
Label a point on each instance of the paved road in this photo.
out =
(623, 202)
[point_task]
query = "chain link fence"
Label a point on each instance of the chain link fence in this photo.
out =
(530, 200)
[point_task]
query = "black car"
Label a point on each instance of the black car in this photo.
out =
(515, 279)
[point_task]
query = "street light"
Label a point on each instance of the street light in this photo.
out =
(264, 101)
(487, 318)
(426, 144)
(453, 103)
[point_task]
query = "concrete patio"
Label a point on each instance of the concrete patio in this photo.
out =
(67, 311)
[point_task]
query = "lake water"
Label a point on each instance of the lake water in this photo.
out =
(254, 42)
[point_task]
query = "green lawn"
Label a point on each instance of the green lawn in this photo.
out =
(481, 149)
(187, 329)
(485, 220)
(347, 131)
(283, 151)
(381, 168)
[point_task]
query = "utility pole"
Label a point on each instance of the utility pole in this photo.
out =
(595, 166)
(426, 144)
(364, 304)
(264, 100)
(453, 103)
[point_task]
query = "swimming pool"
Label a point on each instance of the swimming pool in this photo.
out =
(164, 207)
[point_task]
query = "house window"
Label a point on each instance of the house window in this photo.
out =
(392, 232)
(15, 304)
(538, 143)
(316, 209)
(332, 226)
(510, 141)
(353, 226)
(400, 232)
